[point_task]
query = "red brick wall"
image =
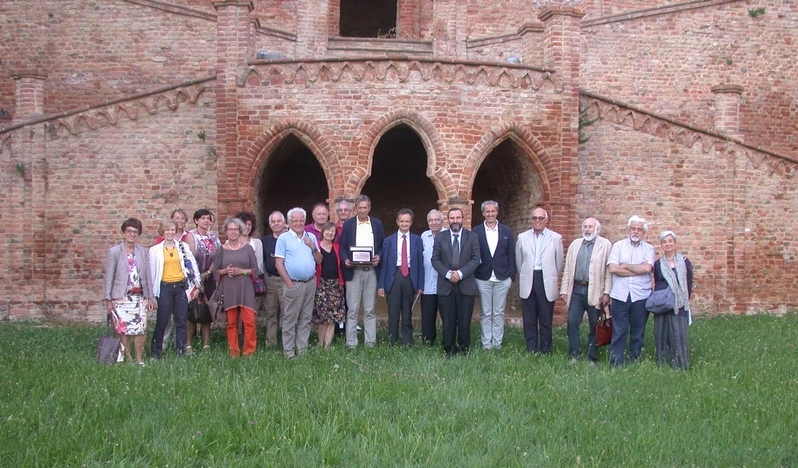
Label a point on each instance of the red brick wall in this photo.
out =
(732, 205)
(60, 220)
(668, 63)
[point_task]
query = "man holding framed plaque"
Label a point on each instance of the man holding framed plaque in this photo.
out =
(361, 249)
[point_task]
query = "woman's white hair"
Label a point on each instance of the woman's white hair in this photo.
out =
(664, 234)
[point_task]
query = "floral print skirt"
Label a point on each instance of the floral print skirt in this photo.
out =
(130, 315)
(330, 303)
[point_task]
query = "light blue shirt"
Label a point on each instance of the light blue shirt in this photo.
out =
(430, 275)
(299, 261)
(638, 286)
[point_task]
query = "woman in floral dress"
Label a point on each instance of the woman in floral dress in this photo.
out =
(128, 291)
(330, 305)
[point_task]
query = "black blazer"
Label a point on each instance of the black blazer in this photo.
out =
(469, 261)
(503, 260)
(348, 235)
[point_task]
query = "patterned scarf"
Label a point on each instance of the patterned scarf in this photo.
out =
(677, 282)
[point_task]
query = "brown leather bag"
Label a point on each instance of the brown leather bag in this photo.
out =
(604, 327)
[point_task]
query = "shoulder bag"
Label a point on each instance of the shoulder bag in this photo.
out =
(661, 301)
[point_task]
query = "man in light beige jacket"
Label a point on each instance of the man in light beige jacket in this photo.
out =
(586, 285)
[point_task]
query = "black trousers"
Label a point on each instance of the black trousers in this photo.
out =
(456, 311)
(400, 303)
(171, 301)
(429, 318)
(538, 314)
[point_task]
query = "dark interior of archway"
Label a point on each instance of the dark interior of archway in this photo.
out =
(398, 179)
(368, 18)
(291, 177)
(506, 177)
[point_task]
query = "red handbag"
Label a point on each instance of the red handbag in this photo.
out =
(604, 327)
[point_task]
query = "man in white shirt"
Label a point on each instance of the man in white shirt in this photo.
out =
(631, 262)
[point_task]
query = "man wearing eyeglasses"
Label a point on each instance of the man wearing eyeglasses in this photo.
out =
(344, 211)
(539, 256)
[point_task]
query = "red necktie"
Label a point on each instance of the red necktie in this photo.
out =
(403, 266)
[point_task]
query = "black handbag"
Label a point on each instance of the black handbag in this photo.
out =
(107, 351)
(198, 309)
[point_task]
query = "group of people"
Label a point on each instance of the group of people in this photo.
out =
(324, 272)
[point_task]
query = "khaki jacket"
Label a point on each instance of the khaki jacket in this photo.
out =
(599, 277)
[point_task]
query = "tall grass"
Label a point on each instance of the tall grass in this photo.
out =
(394, 406)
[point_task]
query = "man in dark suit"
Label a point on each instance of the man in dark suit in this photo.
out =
(361, 279)
(455, 256)
(495, 274)
(401, 276)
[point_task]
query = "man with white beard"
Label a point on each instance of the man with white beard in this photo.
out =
(631, 262)
(586, 286)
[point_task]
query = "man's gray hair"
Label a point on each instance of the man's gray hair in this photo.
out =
(237, 221)
(664, 234)
(488, 202)
(348, 205)
(276, 212)
(298, 210)
(637, 219)
(432, 211)
(364, 198)
(598, 224)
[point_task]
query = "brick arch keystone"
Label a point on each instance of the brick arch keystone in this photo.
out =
(430, 137)
(536, 152)
(268, 141)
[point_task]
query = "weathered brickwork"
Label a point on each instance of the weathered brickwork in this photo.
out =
(134, 107)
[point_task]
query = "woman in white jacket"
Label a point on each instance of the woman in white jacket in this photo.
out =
(175, 281)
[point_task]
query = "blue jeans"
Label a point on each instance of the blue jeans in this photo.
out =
(628, 318)
(576, 309)
(171, 301)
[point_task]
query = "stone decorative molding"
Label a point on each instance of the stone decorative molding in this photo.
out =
(186, 11)
(399, 69)
(727, 88)
(666, 9)
(96, 116)
(684, 134)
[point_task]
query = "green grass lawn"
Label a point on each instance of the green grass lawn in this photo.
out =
(402, 407)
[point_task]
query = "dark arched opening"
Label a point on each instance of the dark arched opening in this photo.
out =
(398, 179)
(507, 177)
(290, 177)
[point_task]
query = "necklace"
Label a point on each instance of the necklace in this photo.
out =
(238, 245)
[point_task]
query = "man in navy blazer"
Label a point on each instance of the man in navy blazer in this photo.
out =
(455, 256)
(361, 280)
(495, 274)
(401, 276)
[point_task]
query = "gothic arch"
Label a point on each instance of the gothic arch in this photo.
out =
(267, 141)
(539, 158)
(433, 145)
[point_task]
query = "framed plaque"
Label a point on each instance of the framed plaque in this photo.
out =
(361, 255)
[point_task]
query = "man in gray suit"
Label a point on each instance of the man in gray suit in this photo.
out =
(455, 256)
(539, 256)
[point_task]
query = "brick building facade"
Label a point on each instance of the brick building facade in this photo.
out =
(683, 112)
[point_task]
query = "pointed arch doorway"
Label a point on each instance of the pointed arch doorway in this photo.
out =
(291, 176)
(399, 179)
(507, 177)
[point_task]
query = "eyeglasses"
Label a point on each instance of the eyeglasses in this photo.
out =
(538, 218)
(343, 210)
(132, 231)
(235, 229)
